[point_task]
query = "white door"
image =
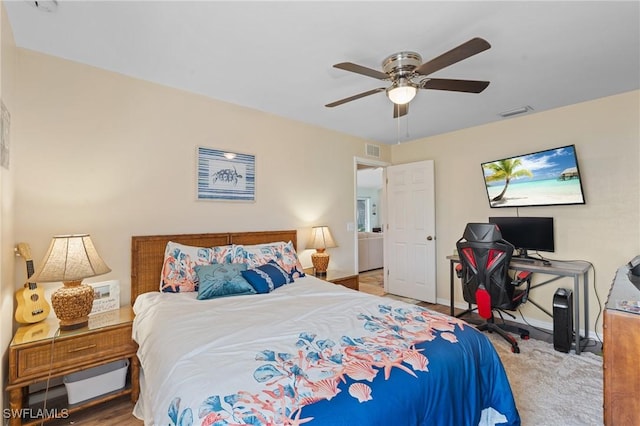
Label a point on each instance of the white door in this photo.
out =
(410, 258)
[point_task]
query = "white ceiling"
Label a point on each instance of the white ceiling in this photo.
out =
(277, 56)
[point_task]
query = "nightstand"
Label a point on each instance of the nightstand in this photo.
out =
(39, 352)
(347, 279)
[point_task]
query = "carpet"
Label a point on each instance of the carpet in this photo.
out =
(550, 387)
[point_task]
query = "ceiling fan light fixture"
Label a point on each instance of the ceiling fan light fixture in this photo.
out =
(407, 73)
(402, 92)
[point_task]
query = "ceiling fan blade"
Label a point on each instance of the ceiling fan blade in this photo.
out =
(354, 97)
(470, 86)
(349, 66)
(400, 109)
(464, 51)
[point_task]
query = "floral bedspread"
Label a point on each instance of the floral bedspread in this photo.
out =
(314, 353)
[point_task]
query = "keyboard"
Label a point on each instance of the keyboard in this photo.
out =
(537, 262)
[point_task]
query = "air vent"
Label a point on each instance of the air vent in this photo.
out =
(373, 150)
(515, 111)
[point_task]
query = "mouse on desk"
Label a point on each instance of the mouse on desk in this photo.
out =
(546, 262)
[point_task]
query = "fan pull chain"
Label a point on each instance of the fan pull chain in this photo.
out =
(397, 122)
(406, 117)
(407, 121)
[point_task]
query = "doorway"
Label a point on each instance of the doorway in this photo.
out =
(369, 215)
(405, 215)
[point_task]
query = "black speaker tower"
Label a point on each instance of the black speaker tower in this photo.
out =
(562, 320)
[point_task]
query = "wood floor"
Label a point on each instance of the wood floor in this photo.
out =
(114, 412)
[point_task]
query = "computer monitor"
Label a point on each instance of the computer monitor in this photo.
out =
(527, 233)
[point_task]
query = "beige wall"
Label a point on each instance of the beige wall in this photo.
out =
(604, 231)
(7, 257)
(113, 156)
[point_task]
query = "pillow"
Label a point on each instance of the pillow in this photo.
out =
(178, 274)
(290, 262)
(223, 254)
(221, 280)
(257, 254)
(266, 278)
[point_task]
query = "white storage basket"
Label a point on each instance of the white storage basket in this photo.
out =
(96, 381)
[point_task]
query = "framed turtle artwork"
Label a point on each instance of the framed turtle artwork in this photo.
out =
(225, 176)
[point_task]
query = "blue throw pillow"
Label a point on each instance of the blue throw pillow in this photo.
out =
(221, 280)
(267, 277)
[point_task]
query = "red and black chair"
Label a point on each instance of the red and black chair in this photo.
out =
(486, 282)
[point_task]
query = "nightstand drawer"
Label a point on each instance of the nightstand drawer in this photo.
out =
(72, 351)
(349, 282)
(347, 279)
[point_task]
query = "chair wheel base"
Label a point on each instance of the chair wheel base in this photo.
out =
(504, 331)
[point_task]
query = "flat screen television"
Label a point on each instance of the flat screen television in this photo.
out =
(527, 233)
(543, 178)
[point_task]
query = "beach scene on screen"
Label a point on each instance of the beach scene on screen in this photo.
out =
(548, 177)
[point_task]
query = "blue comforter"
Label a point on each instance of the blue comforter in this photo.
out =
(316, 354)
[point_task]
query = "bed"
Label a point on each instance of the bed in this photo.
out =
(306, 352)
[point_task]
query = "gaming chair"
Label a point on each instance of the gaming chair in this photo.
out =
(486, 283)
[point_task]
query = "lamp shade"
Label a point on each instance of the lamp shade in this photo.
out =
(321, 238)
(70, 259)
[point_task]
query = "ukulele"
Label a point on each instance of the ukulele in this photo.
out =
(32, 306)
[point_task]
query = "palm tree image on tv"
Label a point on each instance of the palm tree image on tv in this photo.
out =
(505, 170)
(543, 178)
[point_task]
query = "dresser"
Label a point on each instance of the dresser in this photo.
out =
(621, 350)
(40, 352)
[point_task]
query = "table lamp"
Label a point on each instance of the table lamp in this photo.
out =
(321, 239)
(70, 259)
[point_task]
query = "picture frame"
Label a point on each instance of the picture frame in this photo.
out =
(225, 176)
(106, 296)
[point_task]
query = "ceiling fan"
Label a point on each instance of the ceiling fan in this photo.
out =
(407, 74)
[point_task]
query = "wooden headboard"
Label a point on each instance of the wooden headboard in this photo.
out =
(147, 252)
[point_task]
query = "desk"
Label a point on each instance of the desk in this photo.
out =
(558, 270)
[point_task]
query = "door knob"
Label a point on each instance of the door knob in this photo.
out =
(429, 238)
